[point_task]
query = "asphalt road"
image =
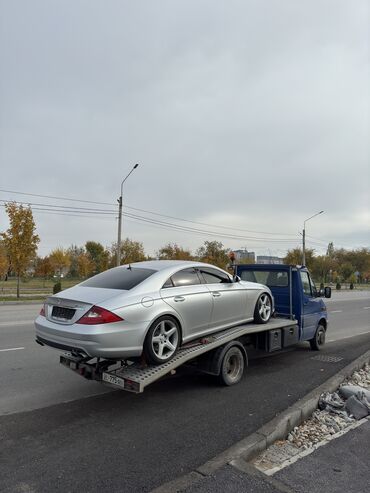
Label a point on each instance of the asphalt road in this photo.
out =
(58, 436)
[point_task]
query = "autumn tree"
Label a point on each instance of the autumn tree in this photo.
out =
(60, 261)
(213, 252)
(131, 251)
(172, 251)
(346, 270)
(43, 268)
(321, 268)
(85, 265)
(20, 239)
(98, 255)
(74, 252)
(294, 257)
(4, 261)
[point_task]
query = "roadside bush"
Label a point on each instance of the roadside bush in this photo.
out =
(57, 287)
(338, 286)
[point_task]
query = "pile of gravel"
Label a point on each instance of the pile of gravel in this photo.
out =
(360, 377)
(334, 416)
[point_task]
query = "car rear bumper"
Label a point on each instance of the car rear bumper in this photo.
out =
(113, 341)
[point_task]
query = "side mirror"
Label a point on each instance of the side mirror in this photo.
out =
(236, 279)
(327, 292)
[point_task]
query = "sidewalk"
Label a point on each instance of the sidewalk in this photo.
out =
(341, 465)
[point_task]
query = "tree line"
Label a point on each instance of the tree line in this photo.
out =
(18, 255)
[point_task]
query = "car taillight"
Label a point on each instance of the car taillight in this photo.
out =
(42, 311)
(97, 315)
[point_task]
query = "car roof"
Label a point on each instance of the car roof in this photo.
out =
(165, 264)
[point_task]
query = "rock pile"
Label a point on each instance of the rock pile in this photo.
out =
(332, 418)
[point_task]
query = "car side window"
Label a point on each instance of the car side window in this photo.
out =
(306, 283)
(168, 284)
(213, 276)
(186, 277)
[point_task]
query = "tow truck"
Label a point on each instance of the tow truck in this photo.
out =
(300, 315)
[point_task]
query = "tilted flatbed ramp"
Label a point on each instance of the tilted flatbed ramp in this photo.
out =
(135, 377)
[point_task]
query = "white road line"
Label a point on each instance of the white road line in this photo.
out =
(348, 337)
(11, 349)
(336, 311)
(366, 307)
(15, 322)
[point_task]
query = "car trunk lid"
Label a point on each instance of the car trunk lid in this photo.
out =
(70, 305)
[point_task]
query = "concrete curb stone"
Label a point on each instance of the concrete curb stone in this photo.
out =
(276, 429)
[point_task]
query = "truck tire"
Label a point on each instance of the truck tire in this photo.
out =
(232, 367)
(162, 340)
(263, 309)
(318, 341)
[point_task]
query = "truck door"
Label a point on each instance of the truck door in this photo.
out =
(311, 306)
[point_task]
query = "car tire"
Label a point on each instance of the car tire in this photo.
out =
(232, 367)
(318, 341)
(263, 309)
(162, 340)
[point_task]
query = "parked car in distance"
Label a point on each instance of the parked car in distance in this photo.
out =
(150, 307)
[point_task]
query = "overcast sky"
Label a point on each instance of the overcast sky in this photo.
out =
(245, 114)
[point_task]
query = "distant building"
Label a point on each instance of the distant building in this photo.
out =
(241, 255)
(269, 259)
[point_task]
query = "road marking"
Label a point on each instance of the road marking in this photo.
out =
(11, 349)
(366, 307)
(16, 322)
(348, 337)
(336, 311)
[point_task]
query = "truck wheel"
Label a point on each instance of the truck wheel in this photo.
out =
(263, 309)
(319, 340)
(232, 367)
(162, 340)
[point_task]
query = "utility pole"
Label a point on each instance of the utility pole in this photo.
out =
(304, 237)
(120, 204)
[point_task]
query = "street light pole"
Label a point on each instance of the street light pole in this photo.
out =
(120, 203)
(304, 237)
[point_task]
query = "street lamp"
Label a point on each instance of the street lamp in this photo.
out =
(118, 256)
(304, 237)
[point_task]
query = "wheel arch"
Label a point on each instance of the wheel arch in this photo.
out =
(166, 314)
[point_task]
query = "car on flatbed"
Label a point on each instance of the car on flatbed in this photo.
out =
(149, 308)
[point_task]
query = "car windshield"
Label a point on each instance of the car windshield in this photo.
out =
(119, 278)
(270, 278)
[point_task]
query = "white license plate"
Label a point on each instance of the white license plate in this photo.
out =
(113, 379)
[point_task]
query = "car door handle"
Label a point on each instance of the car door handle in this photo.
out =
(216, 294)
(179, 298)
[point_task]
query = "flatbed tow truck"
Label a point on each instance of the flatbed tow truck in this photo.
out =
(222, 354)
(300, 316)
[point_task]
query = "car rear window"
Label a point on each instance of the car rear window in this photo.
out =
(270, 278)
(119, 278)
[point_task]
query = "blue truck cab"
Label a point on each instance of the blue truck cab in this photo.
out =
(296, 297)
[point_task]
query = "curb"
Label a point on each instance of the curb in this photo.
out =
(276, 429)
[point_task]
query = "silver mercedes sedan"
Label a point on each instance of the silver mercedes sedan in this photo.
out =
(149, 308)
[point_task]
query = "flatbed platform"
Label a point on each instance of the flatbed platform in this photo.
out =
(134, 377)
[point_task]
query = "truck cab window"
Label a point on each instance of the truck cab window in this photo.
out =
(306, 283)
